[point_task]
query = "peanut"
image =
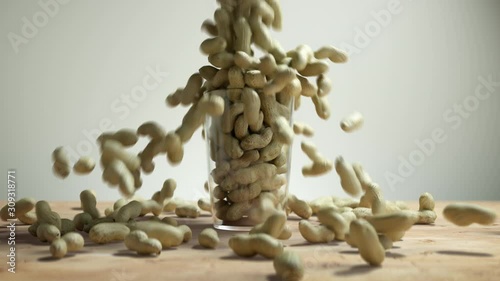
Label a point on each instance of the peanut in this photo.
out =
(18, 210)
(61, 166)
(58, 248)
(282, 130)
(300, 128)
(126, 137)
(150, 206)
(299, 207)
(332, 53)
(324, 85)
(89, 202)
(112, 149)
(260, 33)
(289, 266)
(213, 45)
(204, 204)
(257, 141)
(463, 214)
(363, 235)
(130, 211)
(169, 221)
(395, 222)
(334, 221)
(139, 242)
(209, 27)
(251, 102)
(426, 202)
(187, 234)
(314, 68)
(372, 192)
(152, 130)
(223, 23)
(244, 193)
(243, 35)
(70, 242)
(301, 56)
(168, 235)
(245, 61)
(67, 226)
(272, 226)
(308, 89)
(315, 233)
(107, 232)
(364, 179)
(84, 165)
(222, 59)
(45, 215)
(277, 21)
(208, 238)
(175, 151)
(187, 210)
(281, 79)
(255, 79)
(348, 179)
(212, 105)
(352, 122)
(81, 219)
(248, 245)
(321, 106)
(190, 123)
(117, 173)
(245, 160)
(27, 218)
(235, 78)
(236, 211)
(47, 232)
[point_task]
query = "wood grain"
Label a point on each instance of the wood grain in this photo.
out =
(428, 252)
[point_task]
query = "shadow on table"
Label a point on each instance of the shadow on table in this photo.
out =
(349, 252)
(132, 254)
(394, 255)
(26, 238)
(273, 277)
(234, 257)
(333, 243)
(52, 259)
(357, 269)
(464, 253)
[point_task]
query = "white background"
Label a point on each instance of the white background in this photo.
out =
(408, 72)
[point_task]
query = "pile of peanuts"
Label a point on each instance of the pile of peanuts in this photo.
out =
(249, 103)
(249, 132)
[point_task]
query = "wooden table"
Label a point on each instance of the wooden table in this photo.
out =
(427, 252)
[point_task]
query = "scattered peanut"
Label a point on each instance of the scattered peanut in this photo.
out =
(463, 214)
(289, 266)
(84, 165)
(315, 233)
(89, 203)
(348, 179)
(249, 245)
(365, 237)
(299, 207)
(61, 166)
(352, 122)
(139, 242)
(208, 238)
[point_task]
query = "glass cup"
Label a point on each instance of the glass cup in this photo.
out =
(248, 163)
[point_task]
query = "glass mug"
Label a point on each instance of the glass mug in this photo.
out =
(248, 163)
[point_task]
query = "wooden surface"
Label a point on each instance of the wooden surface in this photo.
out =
(427, 252)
